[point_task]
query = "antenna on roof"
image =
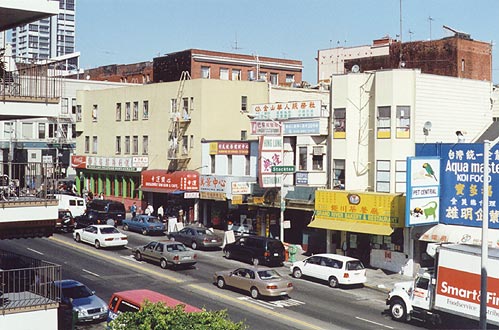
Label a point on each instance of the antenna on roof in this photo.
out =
(430, 19)
(410, 34)
(235, 45)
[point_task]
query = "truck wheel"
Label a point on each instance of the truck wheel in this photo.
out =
(398, 310)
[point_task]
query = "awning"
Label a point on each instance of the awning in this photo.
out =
(443, 233)
(365, 228)
(160, 190)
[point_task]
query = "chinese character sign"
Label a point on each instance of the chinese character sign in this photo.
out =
(294, 109)
(270, 155)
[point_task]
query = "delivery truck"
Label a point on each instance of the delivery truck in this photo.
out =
(451, 287)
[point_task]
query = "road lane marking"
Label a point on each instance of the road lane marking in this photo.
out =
(257, 302)
(256, 307)
(274, 303)
(117, 260)
(91, 273)
(35, 251)
(131, 258)
(376, 323)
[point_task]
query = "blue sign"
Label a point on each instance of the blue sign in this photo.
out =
(303, 127)
(461, 195)
(301, 178)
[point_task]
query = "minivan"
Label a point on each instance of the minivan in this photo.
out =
(133, 300)
(256, 250)
(107, 209)
(75, 204)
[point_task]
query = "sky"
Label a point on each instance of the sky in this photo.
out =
(131, 31)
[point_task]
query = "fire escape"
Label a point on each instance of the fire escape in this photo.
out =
(178, 151)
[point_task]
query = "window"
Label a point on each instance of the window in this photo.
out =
(173, 105)
(403, 122)
(400, 176)
(94, 144)
(185, 145)
(64, 102)
(339, 174)
(384, 118)
(73, 106)
(73, 131)
(244, 135)
(87, 144)
(135, 142)
(127, 145)
(27, 130)
(205, 72)
(118, 111)
(229, 164)
(41, 130)
(236, 74)
(94, 113)
(52, 130)
(262, 76)
(78, 113)
(185, 108)
(224, 74)
(135, 110)
(145, 110)
(244, 103)
(339, 121)
(383, 176)
(145, 145)
(251, 75)
(118, 145)
(274, 78)
(212, 158)
(192, 104)
(462, 65)
(127, 111)
(317, 162)
(64, 130)
(302, 158)
(290, 78)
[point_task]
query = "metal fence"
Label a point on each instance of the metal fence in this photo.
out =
(27, 282)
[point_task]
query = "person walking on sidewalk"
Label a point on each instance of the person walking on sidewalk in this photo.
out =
(161, 212)
(133, 210)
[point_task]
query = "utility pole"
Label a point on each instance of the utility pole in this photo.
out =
(329, 150)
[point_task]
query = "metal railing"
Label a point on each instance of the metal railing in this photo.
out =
(27, 282)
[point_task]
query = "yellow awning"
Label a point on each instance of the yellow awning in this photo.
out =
(365, 228)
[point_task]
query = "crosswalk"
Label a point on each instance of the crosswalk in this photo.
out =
(273, 303)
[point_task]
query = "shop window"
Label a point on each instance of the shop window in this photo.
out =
(118, 111)
(394, 242)
(383, 122)
(383, 176)
(112, 186)
(339, 174)
(302, 158)
(339, 120)
(400, 176)
(403, 122)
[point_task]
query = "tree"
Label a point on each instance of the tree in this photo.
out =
(160, 317)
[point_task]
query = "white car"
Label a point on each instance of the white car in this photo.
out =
(100, 236)
(333, 268)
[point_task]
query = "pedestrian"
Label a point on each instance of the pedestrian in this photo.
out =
(101, 196)
(133, 210)
(161, 212)
(149, 209)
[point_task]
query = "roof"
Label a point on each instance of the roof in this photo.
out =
(139, 296)
(491, 133)
(335, 256)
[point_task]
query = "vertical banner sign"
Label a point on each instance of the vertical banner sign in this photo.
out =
(270, 155)
(423, 191)
(462, 189)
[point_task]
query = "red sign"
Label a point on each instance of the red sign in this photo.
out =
(163, 181)
(78, 161)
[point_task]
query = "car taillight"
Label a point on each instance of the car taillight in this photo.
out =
(108, 239)
(206, 240)
(266, 254)
(290, 285)
(271, 287)
(175, 258)
(124, 238)
(345, 275)
(195, 256)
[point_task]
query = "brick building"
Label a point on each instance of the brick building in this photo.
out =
(138, 73)
(227, 66)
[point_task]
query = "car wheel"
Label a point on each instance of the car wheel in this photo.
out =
(194, 245)
(297, 272)
(398, 310)
(163, 263)
(227, 254)
(254, 293)
(97, 244)
(255, 261)
(220, 282)
(78, 238)
(144, 231)
(333, 282)
(138, 256)
(125, 227)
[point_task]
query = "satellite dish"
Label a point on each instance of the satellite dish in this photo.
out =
(427, 125)
(355, 68)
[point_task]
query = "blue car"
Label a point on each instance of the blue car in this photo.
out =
(145, 224)
(82, 300)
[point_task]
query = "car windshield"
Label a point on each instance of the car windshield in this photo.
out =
(75, 292)
(269, 274)
(153, 220)
(109, 230)
(175, 248)
(355, 265)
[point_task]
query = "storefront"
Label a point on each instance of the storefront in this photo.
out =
(177, 192)
(117, 178)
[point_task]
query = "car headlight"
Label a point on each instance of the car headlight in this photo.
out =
(103, 309)
(81, 311)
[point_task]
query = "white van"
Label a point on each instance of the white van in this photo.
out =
(75, 204)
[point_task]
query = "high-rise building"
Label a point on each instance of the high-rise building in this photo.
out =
(47, 38)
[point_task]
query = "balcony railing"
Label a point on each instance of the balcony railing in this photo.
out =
(28, 82)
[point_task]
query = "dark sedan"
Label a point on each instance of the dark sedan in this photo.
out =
(197, 237)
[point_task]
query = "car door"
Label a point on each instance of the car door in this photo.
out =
(185, 235)
(310, 266)
(239, 247)
(134, 224)
(89, 233)
(157, 252)
(148, 252)
(235, 279)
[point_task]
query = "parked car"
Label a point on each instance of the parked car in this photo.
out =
(258, 281)
(333, 268)
(105, 209)
(166, 253)
(197, 237)
(82, 300)
(90, 217)
(256, 249)
(145, 224)
(100, 236)
(65, 221)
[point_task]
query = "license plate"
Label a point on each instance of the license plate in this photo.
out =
(95, 317)
(276, 254)
(186, 258)
(213, 240)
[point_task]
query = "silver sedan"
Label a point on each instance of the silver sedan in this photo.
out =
(166, 253)
(256, 280)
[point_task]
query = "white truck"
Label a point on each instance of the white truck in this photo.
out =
(453, 287)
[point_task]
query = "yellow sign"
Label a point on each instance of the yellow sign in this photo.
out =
(212, 195)
(237, 199)
(213, 148)
(258, 200)
(365, 208)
